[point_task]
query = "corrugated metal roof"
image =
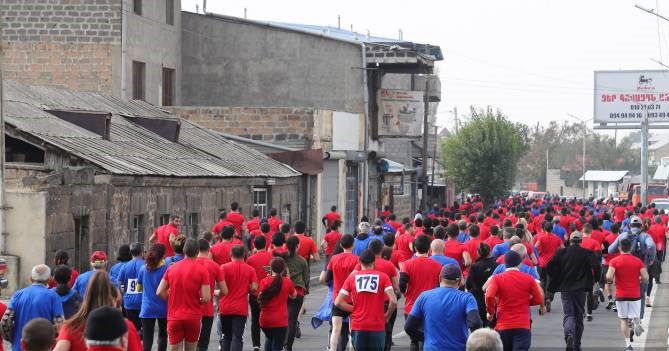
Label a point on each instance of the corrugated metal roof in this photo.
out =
(604, 176)
(132, 149)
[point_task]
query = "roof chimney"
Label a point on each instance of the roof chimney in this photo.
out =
(338, 21)
(204, 7)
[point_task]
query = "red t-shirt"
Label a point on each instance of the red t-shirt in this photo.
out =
(260, 262)
(237, 219)
(331, 239)
(3, 308)
(331, 217)
(307, 246)
(274, 224)
(547, 245)
(52, 282)
(238, 277)
(423, 275)
(220, 252)
(454, 250)
(341, 266)
(589, 243)
(492, 241)
(384, 266)
(253, 224)
(215, 275)
(484, 231)
(619, 214)
(515, 292)
(185, 279)
(472, 247)
(626, 278)
(77, 342)
(163, 233)
(402, 243)
(658, 233)
(610, 239)
(565, 222)
(598, 235)
(395, 224)
(274, 314)
(218, 227)
(366, 290)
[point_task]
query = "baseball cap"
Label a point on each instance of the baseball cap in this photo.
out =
(450, 272)
(98, 256)
(576, 236)
(635, 220)
(363, 227)
(512, 259)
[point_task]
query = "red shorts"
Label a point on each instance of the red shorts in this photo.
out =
(179, 331)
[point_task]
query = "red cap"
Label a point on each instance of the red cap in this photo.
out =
(98, 256)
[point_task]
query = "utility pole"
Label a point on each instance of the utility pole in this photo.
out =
(546, 169)
(426, 134)
(457, 123)
(434, 159)
(644, 156)
(583, 157)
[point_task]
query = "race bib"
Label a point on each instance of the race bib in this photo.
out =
(133, 287)
(367, 283)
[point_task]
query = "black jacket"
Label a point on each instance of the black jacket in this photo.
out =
(479, 274)
(573, 268)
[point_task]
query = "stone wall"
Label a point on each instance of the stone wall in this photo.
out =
(281, 125)
(69, 44)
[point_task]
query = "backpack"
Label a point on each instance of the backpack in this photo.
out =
(638, 246)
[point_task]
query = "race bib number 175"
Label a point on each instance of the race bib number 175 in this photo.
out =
(367, 283)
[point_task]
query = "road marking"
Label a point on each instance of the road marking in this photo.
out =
(640, 341)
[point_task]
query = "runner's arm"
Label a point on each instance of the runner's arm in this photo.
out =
(404, 280)
(341, 303)
(163, 289)
(205, 293)
(392, 302)
(222, 288)
(644, 275)
(474, 320)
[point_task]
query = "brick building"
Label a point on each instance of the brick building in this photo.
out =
(95, 172)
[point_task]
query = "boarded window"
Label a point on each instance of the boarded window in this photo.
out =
(17, 150)
(137, 7)
(82, 247)
(193, 225)
(138, 80)
(168, 86)
(169, 12)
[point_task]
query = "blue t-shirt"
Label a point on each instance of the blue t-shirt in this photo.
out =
(81, 283)
(152, 305)
(444, 260)
(361, 245)
(500, 249)
(33, 302)
(174, 259)
(431, 307)
(116, 270)
(501, 268)
(127, 281)
(463, 237)
(559, 231)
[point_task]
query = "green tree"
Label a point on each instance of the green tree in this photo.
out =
(483, 156)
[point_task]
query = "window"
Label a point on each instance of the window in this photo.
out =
(138, 80)
(17, 150)
(285, 214)
(164, 219)
(192, 225)
(169, 12)
(137, 7)
(81, 243)
(260, 201)
(138, 231)
(168, 86)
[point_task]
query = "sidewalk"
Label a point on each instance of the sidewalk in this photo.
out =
(656, 321)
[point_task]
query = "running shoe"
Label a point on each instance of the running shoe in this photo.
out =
(638, 329)
(548, 305)
(611, 305)
(298, 332)
(600, 293)
(570, 343)
(648, 302)
(629, 348)
(588, 317)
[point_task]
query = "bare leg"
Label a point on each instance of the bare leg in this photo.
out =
(177, 347)
(336, 330)
(190, 346)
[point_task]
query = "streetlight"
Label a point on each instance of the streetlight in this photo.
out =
(585, 131)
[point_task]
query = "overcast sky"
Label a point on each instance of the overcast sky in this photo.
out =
(533, 59)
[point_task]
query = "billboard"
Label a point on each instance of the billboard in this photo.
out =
(626, 96)
(400, 113)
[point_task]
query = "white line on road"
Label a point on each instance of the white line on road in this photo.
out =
(640, 341)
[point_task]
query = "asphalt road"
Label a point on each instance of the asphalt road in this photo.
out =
(600, 334)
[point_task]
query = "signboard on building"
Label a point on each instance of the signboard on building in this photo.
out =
(626, 96)
(400, 113)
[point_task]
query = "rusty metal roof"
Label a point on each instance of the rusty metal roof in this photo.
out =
(132, 149)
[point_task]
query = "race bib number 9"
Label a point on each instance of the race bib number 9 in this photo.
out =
(133, 287)
(367, 283)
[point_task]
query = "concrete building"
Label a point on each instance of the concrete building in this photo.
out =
(89, 172)
(603, 184)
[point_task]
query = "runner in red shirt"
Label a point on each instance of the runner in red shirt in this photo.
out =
(610, 239)
(62, 258)
(165, 234)
(363, 294)
(403, 244)
(274, 292)
(330, 217)
(619, 212)
(233, 308)
(273, 221)
(236, 218)
(454, 249)
(392, 221)
(185, 286)
(547, 245)
(472, 245)
(253, 224)
(330, 240)
(417, 275)
(628, 271)
(338, 269)
(307, 248)
(216, 280)
(483, 228)
(260, 261)
(509, 297)
(220, 252)
(222, 223)
(494, 238)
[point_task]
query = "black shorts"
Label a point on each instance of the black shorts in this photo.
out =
(337, 312)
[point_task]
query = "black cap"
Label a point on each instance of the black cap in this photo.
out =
(450, 271)
(512, 259)
(105, 324)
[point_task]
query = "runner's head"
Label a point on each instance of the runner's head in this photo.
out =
(227, 232)
(389, 240)
(452, 231)
(62, 274)
(124, 253)
(367, 259)
(512, 259)
(255, 213)
(376, 246)
(278, 239)
(175, 220)
(203, 247)
(154, 258)
(38, 335)
(259, 242)
(137, 250)
(61, 257)
(484, 339)
(421, 244)
(285, 229)
(178, 244)
(237, 252)
(494, 231)
(625, 245)
(300, 227)
(635, 222)
(335, 225)
(234, 206)
(347, 241)
(474, 231)
(191, 248)
(547, 227)
(278, 267)
(576, 238)
(106, 327)
(587, 229)
(98, 260)
(520, 249)
(437, 247)
(265, 228)
(483, 250)
(292, 244)
(450, 275)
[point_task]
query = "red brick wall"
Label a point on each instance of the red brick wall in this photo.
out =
(75, 66)
(274, 124)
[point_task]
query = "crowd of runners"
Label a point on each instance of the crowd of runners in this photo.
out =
(468, 274)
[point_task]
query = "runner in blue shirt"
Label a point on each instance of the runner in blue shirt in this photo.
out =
(520, 248)
(153, 307)
(98, 262)
(432, 306)
(123, 257)
(437, 248)
(127, 282)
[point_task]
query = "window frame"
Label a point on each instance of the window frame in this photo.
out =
(138, 80)
(263, 208)
(169, 84)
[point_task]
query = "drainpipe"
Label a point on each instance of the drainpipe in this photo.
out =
(365, 168)
(124, 47)
(3, 242)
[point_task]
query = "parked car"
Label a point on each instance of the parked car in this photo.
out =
(661, 204)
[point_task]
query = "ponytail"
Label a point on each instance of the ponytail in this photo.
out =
(278, 266)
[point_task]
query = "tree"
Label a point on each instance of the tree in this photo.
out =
(483, 156)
